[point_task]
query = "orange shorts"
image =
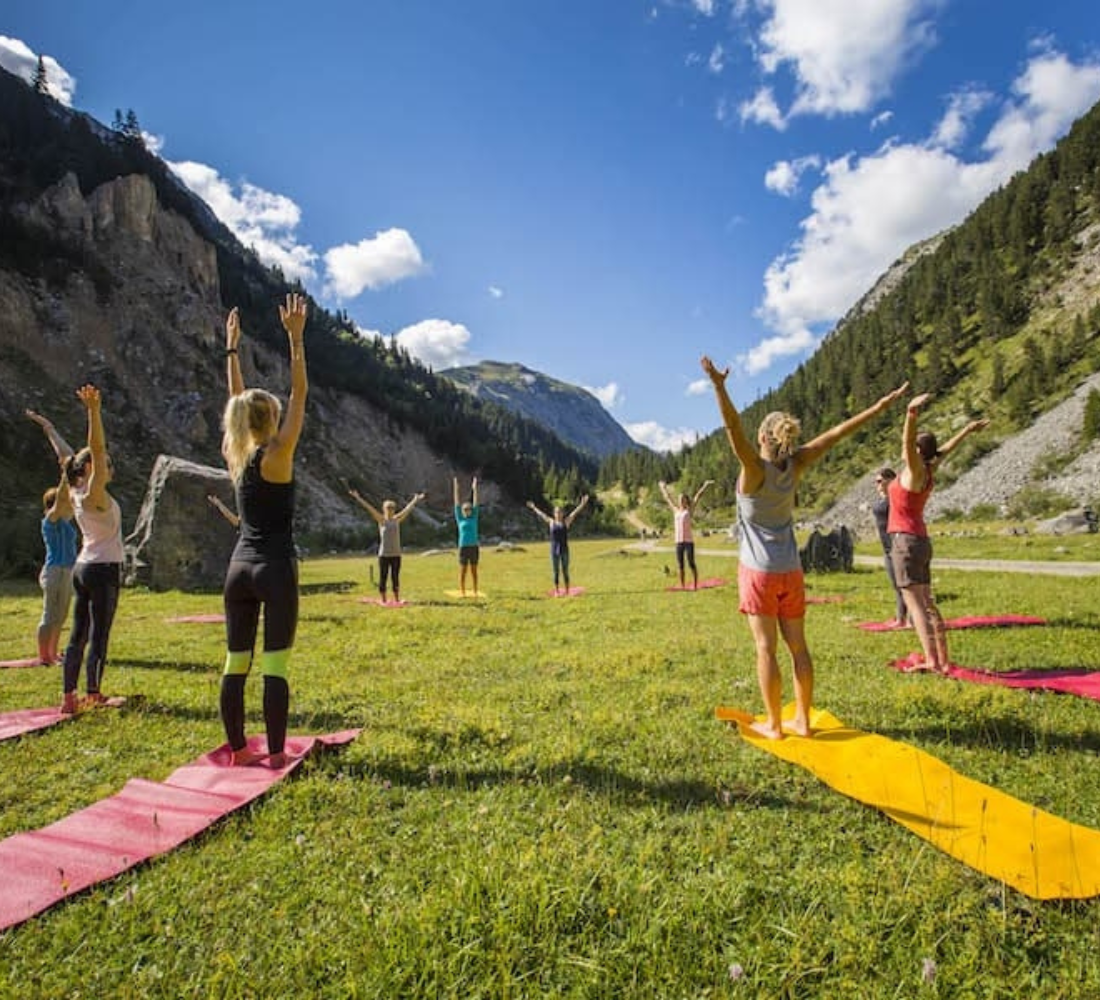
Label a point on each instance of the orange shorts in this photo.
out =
(777, 595)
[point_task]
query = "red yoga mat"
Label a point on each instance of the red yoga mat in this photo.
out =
(570, 592)
(967, 621)
(29, 661)
(27, 720)
(41, 867)
(1075, 680)
(211, 619)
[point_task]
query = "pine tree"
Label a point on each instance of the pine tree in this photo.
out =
(41, 82)
(1090, 429)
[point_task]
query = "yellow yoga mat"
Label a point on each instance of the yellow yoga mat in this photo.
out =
(1041, 855)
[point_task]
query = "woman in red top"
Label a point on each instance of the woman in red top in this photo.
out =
(911, 548)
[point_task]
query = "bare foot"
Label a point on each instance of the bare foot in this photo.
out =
(799, 728)
(247, 758)
(769, 732)
(93, 699)
(917, 666)
(68, 703)
(279, 760)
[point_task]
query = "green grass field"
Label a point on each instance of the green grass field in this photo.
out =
(541, 803)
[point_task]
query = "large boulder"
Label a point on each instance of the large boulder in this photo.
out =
(1072, 522)
(180, 542)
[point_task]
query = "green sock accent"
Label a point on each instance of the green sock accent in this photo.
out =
(274, 663)
(238, 663)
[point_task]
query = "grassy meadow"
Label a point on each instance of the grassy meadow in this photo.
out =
(541, 804)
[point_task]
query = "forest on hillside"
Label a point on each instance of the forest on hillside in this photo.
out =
(963, 323)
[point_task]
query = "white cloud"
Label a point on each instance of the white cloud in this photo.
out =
(705, 7)
(261, 219)
(843, 56)
(153, 143)
(387, 257)
(16, 57)
(653, 435)
(783, 177)
(609, 395)
(700, 387)
(870, 209)
(763, 109)
(882, 118)
(437, 343)
(496, 293)
(716, 62)
(957, 119)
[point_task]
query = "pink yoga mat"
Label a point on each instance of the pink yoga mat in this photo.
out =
(967, 621)
(30, 661)
(710, 581)
(27, 720)
(378, 602)
(570, 592)
(41, 867)
(1079, 681)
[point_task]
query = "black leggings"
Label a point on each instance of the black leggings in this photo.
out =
(96, 586)
(685, 550)
(389, 566)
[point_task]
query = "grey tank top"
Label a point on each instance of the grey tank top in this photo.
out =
(766, 518)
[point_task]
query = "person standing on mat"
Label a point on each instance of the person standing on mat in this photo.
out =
(559, 526)
(258, 444)
(389, 539)
(769, 578)
(685, 538)
(880, 510)
(97, 573)
(469, 545)
(910, 545)
(60, 538)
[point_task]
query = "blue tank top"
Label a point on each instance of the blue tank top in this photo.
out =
(267, 516)
(766, 518)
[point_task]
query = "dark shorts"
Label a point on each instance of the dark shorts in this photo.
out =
(468, 555)
(911, 557)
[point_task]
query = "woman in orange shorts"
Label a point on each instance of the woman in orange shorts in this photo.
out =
(769, 578)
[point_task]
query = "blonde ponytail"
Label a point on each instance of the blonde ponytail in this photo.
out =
(250, 420)
(782, 431)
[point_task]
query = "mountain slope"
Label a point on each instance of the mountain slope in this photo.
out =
(572, 413)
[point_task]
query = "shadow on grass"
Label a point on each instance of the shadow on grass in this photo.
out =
(1000, 731)
(336, 587)
(180, 666)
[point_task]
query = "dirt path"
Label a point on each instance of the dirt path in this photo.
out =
(977, 565)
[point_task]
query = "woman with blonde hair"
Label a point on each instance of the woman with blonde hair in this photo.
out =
(389, 520)
(910, 545)
(258, 445)
(769, 578)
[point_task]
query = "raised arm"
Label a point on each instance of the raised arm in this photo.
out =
(473, 491)
(699, 492)
(542, 516)
(62, 507)
(232, 358)
(576, 510)
(913, 475)
(752, 465)
(367, 506)
(225, 512)
(970, 428)
(278, 460)
(61, 448)
(663, 487)
(456, 492)
(97, 479)
(407, 509)
(811, 451)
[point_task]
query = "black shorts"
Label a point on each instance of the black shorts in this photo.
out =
(468, 555)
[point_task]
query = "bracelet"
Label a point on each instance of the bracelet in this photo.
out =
(230, 350)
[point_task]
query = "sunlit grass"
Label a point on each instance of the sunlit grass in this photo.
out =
(541, 804)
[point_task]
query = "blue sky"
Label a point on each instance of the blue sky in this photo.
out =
(602, 190)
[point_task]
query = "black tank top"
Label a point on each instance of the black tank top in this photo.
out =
(266, 510)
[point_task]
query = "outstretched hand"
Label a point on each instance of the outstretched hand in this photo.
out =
(717, 375)
(90, 396)
(232, 329)
(901, 390)
(293, 316)
(978, 425)
(918, 401)
(38, 418)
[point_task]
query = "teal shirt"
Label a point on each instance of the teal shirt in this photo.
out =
(467, 527)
